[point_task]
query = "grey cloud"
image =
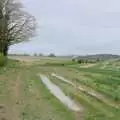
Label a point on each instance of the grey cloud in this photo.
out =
(74, 26)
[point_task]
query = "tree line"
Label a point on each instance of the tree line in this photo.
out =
(85, 61)
(35, 54)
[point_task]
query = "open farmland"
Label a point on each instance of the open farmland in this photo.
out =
(23, 95)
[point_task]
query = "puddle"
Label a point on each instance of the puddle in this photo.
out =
(59, 94)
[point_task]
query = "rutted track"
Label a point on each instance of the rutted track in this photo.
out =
(85, 90)
(58, 93)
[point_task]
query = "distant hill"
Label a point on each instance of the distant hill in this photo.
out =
(98, 56)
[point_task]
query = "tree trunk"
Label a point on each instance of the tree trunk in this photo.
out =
(3, 35)
(5, 51)
(4, 48)
(1, 47)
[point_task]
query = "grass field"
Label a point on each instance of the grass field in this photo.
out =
(24, 97)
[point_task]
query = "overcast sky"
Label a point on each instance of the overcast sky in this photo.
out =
(74, 27)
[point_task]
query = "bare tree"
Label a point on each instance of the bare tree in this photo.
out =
(16, 25)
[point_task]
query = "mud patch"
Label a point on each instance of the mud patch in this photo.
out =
(2, 112)
(2, 109)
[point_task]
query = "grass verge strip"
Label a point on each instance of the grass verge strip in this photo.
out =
(92, 93)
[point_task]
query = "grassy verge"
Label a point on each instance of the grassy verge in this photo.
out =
(94, 109)
(104, 81)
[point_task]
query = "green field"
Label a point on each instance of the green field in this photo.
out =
(24, 97)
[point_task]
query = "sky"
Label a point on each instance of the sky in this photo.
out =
(73, 27)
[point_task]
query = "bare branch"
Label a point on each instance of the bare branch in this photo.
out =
(20, 24)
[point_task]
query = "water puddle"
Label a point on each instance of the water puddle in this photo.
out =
(59, 94)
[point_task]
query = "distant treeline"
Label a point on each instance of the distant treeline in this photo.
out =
(19, 54)
(100, 56)
(35, 54)
(97, 57)
(94, 58)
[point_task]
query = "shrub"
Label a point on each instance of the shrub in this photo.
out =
(79, 61)
(73, 60)
(51, 55)
(2, 59)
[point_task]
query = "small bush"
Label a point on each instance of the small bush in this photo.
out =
(79, 61)
(2, 59)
